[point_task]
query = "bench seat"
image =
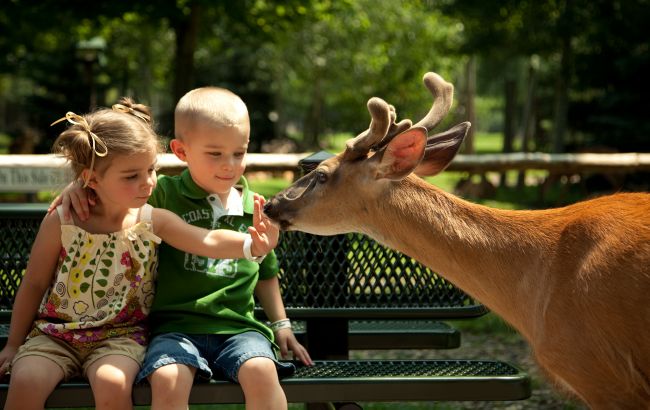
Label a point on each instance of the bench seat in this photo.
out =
(350, 381)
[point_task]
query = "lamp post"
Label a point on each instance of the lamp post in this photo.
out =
(89, 52)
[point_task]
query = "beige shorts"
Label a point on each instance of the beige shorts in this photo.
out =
(75, 362)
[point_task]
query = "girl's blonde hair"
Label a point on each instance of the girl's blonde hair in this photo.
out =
(94, 139)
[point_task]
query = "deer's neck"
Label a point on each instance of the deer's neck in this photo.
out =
(498, 257)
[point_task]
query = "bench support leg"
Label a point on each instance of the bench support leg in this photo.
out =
(327, 339)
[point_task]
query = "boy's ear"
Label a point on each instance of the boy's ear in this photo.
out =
(178, 148)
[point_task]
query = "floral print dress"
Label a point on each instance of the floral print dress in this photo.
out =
(104, 285)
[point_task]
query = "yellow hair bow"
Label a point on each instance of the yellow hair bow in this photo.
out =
(76, 119)
(128, 110)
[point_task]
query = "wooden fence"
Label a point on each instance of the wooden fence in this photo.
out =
(32, 173)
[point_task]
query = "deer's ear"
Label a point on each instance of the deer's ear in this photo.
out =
(402, 154)
(441, 150)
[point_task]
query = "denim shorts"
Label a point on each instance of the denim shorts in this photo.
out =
(214, 356)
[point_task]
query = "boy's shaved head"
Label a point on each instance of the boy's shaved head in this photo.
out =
(212, 106)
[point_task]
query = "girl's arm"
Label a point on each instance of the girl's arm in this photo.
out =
(268, 293)
(219, 243)
(36, 280)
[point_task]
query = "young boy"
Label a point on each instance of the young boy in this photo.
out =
(202, 318)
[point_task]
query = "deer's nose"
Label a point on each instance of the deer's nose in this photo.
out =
(268, 208)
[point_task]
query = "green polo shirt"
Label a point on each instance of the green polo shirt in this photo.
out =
(199, 295)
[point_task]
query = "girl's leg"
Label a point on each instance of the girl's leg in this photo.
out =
(111, 378)
(33, 378)
(170, 386)
(258, 378)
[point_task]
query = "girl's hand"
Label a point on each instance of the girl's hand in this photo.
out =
(286, 340)
(264, 233)
(76, 197)
(6, 357)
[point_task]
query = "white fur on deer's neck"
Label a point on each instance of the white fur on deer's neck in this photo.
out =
(491, 254)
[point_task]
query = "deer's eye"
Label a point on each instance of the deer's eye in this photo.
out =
(321, 177)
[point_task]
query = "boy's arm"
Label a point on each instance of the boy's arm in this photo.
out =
(37, 279)
(76, 197)
(268, 293)
(216, 244)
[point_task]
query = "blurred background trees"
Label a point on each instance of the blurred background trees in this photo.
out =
(550, 75)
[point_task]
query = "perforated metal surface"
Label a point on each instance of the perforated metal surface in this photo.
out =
(394, 381)
(354, 272)
(405, 368)
(18, 229)
(345, 272)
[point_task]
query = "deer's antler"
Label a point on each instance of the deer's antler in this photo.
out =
(381, 115)
(443, 96)
(383, 126)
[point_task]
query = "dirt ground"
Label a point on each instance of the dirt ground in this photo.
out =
(509, 348)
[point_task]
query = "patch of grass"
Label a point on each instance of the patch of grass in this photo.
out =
(268, 187)
(5, 142)
(488, 323)
(336, 142)
(488, 142)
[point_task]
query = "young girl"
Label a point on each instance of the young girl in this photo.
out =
(90, 283)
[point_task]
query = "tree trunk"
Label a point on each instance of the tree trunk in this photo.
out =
(528, 122)
(509, 120)
(560, 120)
(312, 124)
(470, 111)
(186, 30)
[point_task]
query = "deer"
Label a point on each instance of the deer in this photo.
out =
(574, 281)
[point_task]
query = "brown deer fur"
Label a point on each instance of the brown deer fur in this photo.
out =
(574, 281)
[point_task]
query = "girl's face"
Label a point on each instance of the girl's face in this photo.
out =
(128, 181)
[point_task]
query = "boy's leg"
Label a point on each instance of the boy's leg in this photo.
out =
(170, 386)
(111, 369)
(40, 364)
(171, 363)
(259, 381)
(248, 358)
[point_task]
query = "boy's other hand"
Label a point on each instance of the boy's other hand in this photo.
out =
(74, 197)
(264, 233)
(287, 341)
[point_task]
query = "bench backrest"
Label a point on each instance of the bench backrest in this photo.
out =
(347, 276)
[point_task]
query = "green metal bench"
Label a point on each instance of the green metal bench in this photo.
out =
(343, 292)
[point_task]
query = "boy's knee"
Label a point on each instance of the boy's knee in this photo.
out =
(172, 376)
(171, 386)
(257, 369)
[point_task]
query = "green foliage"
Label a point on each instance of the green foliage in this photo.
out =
(365, 48)
(307, 68)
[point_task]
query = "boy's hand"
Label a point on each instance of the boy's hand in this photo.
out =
(76, 196)
(264, 233)
(286, 340)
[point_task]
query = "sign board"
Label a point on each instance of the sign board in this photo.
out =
(32, 179)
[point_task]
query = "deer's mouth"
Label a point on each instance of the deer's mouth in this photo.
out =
(271, 209)
(284, 224)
